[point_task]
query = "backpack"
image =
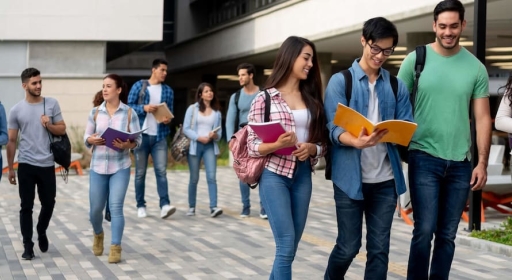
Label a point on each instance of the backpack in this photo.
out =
(418, 68)
(60, 147)
(248, 169)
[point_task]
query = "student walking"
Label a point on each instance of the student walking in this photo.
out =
(202, 125)
(285, 184)
(110, 169)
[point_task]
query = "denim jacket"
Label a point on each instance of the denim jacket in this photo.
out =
(346, 160)
(191, 133)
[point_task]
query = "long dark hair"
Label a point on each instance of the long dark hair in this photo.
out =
(98, 99)
(310, 89)
(123, 96)
(508, 89)
(214, 103)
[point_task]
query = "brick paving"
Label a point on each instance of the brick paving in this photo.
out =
(199, 247)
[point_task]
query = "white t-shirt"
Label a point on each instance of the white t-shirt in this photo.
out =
(155, 97)
(375, 163)
(205, 124)
(301, 118)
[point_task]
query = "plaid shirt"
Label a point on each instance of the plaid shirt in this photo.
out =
(282, 165)
(133, 101)
(104, 159)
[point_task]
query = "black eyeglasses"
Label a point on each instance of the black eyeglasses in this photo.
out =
(377, 50)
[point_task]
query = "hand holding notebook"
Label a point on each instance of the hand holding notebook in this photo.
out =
(269, 132)
(162, 113)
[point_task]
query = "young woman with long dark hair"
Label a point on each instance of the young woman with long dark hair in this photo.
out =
(202, 125)
(286, 183)
(110, 169)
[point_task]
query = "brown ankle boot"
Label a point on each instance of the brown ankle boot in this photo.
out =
(115, 254)
(97, 244)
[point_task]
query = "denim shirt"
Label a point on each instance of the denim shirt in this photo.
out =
(191, 133)
(346, 160)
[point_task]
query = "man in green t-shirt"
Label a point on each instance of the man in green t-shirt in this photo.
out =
(440, 175)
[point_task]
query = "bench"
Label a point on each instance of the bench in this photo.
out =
(75, 163)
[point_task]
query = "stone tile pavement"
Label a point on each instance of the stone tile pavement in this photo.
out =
(200, 247)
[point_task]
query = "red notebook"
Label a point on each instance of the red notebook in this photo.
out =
(269, 132)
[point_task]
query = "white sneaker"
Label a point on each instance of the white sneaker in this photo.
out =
(167, 210)
(141, 212)
(191, 211)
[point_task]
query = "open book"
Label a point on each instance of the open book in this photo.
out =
(162, 112)
(399, 132)
(110, 134)
(269, 132)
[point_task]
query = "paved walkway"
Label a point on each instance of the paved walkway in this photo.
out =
(200, 247)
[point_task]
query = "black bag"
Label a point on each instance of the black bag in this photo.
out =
(180, 143)
(60, 146)
(421, 54)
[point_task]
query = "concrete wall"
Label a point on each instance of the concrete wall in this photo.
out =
(72, 72)
(314, 19)
(75, 20)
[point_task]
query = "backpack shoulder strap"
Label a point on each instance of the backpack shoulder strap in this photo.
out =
(237, 97)
(394, 84)
(129, 118)
(348, 85)
(267, 106)
(237, 117)
(96, 113)
(421, 55)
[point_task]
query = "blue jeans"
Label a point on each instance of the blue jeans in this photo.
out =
(158, 152)
(378, 207)
(207, 153)
(286, 202)
(245, 193)
(439, 190)
(114, 186)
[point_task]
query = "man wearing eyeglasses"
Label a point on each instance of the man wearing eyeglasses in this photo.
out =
(366, 174)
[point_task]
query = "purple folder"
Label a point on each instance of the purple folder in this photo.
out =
(110, 134)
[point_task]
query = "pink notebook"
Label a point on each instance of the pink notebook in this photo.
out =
(269, 132)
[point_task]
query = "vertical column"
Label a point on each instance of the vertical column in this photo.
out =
(259, 78)
(324, 59)
(419, 38)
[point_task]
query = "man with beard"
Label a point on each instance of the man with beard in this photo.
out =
(440, 175)
(35, 117)
(144, 97)
(239, 106)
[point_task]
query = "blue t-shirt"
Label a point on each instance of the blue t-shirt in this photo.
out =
(244, 104)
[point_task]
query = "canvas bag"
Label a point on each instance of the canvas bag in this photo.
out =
(60, 146)
(180, 143)
(248, 169)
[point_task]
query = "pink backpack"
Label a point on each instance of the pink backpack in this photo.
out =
(248, 169)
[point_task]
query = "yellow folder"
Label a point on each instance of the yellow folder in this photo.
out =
(399, 131)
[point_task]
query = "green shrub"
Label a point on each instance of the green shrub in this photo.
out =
(502, 235)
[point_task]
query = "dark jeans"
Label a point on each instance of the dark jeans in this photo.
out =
(378, 207)
(439, 190)
(28, 177)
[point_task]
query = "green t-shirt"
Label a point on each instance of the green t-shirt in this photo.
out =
(445, 89)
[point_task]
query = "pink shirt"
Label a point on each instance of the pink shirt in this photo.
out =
(282, 165)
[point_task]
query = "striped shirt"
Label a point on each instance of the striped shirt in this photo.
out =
(104, 159)
(279, 111)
